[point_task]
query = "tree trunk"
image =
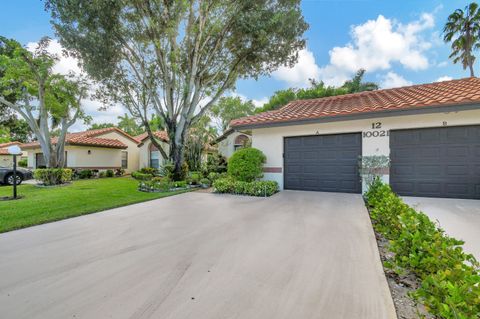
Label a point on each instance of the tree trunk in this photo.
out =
(177, 151)
(470, 65)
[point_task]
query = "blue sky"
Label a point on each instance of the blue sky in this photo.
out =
(398, 42)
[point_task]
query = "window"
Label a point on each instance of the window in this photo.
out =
(40, 161)
(241, 141)
(154, 159)
(124, 159)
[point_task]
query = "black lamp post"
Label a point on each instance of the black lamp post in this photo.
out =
(14, 150)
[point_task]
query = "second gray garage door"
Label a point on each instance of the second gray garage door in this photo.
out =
(436, 162)
(326, 163)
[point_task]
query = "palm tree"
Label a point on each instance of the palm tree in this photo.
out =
(356, 85)
(463, 30)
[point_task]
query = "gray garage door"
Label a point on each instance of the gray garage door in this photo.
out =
(327, 163)
(436, 162)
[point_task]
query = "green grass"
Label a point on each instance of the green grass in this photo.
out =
(43, 205)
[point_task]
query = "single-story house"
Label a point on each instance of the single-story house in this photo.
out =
(430, 132)
(100, 149)
(149, 155)
(6, 160)
(232, 140)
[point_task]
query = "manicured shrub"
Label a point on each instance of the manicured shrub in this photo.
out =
(450, 278)
(149, 170)
(53, 176)
(255, 188)
(23, 162)
(180, 184)
(109, 173)
(205, 182)
(246, 164)
(194, 178)
(141, 176)
(102, 174)
(85, 174)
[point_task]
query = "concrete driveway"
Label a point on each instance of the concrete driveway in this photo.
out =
(203, 256)
(459, 218)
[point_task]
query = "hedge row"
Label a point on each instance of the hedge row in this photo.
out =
(450, 278)
(255, 188)
(53, 176)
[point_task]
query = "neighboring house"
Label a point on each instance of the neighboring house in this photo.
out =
(232, 140)
(101, 149)
(149, 155)
(431, 133)
(6, 160)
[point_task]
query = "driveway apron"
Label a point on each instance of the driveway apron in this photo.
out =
(200, 256)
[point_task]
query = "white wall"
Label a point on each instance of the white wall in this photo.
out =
(270, 140)
(226, 147)
(78, 157)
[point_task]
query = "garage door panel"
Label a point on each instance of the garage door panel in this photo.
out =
(459, 170)
(460, 189)
(436, 162)
(334, 167)
(422, 170)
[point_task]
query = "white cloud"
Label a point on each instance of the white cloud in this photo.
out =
(442, 64)
(444, 78)
(298, 75)
(256, 102)
(376, 45)
(393, 80)
(65, 64)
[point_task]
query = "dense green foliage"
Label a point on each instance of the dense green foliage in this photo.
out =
(450, 278)
(53, 176)
(229, 108)
(42, 205)
(142, 176)
(246, 164)
(50, 103)
(23, 162)
(463, 31)
(256, 188)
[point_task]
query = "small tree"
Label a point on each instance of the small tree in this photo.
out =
(246, 164)
(372, 167)
(45, 100)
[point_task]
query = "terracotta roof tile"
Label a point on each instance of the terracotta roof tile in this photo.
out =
(162, 135)
(89, 138)
(455, 92)
(5, 145)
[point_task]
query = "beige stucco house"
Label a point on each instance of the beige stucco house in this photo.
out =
(430, 132)
(149, 155)
(232, 140)
(102, 149)
(6, 160)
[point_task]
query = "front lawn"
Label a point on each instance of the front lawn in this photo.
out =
(42, 205)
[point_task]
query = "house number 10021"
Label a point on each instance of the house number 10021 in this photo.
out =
(377, 133)
(380, 133)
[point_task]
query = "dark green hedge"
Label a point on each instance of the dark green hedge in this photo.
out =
(255, 188)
